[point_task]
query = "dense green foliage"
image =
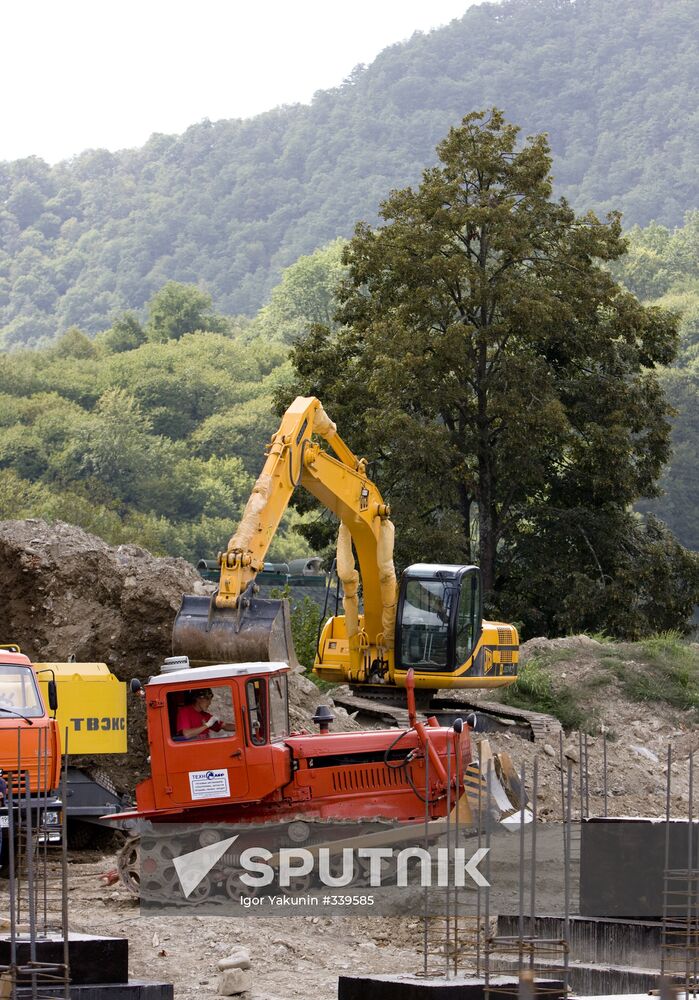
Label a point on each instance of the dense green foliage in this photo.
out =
(157, 444)
(662, 267)
(229, 204)
(508, 387)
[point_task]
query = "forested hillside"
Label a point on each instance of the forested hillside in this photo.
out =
(229, 204)
(662, 268)
(151, 435)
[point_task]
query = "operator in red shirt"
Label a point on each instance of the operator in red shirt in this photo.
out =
(194, 722)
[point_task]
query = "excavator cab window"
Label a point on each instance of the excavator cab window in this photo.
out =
(468, 617)
(257, 710)
(426, 611)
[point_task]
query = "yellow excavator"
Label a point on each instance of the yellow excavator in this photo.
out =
(430, 622)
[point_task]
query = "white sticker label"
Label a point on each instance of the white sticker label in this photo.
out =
(209, 784)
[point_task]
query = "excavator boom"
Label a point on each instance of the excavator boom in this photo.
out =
(236, 626)
(433, 623)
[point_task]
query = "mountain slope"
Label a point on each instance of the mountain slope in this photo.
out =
(229, 204)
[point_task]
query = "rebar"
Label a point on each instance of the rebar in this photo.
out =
(426, 914)
(566, 873)
(65, 928)
(561, 770)
(532, 883)
(458, 767)
(489, 770)
(480, 844)
(520, 910)
(447, 929)
(689, 866)
(604, 771)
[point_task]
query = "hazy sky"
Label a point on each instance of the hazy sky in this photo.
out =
(77, 74)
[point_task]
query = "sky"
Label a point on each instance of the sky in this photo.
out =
(81, 74)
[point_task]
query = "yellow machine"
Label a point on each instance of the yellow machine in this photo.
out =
(430, 621)
(91, 706)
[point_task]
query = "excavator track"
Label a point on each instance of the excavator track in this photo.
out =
(489, 716)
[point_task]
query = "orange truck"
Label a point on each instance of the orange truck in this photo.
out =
(43, 708)
(30, 748)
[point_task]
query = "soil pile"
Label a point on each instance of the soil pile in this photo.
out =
(65, 592)
(632, 712)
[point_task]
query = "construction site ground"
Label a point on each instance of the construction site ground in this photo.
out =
(291, 957)
(66, 592)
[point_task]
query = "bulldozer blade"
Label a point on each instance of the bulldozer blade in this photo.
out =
(260, 631)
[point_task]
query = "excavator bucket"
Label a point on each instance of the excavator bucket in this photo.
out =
(260, 631)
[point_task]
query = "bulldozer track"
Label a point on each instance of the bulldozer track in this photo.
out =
(489, 716)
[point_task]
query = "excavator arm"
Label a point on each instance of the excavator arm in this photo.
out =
(235, 625)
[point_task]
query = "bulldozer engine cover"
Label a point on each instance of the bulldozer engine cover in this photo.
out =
(260, 631)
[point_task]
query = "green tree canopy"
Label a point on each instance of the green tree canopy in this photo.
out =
(504, 381)
(178, 309)
(305, 295)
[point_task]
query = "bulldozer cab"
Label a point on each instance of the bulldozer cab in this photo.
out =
(225, 763)
(439, 617)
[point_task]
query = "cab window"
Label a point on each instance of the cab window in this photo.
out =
(278, 708)
(18, 692)
(468, 617)
(257, 710)
(425, 623)
(221, 705)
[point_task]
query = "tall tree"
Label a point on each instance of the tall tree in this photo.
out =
(493, 365)
(178, 309)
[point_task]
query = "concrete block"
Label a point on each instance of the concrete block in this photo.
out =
(92, 959)
(416, 988)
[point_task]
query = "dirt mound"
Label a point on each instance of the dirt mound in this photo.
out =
(65, 592)
(540, 644)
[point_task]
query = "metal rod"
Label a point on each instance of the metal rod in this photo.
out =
(486, 935)
(47, 750)
(30, 881)
(11, 845)
(689, 869)
(425, 917)
(447, 933)
(604, 771)
(561, 769)
(460, 790)
(20, 825)
(480, 844)
(532, 869)
(668, 783)
(520, 910)
(587, 780)
(65, 930)
(566, 877)
(580, 774)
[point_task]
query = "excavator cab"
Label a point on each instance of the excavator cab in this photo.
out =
(438, 623)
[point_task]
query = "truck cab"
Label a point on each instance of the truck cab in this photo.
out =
(30, 751)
